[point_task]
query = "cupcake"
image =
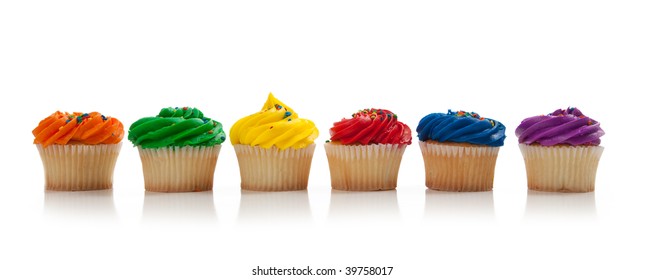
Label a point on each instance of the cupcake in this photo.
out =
(274, 148)
(178, 149)
(78, 151)
(365, 151)
(561, 151)
(460, 150)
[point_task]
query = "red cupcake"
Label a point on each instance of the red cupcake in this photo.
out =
(365, 151)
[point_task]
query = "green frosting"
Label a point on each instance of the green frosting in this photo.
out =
(176, 127)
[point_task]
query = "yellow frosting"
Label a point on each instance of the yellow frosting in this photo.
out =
(276, 125)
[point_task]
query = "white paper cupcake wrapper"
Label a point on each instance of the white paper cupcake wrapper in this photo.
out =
(79, 167)
(184, 169)
(364, 167)
(459, 168)
(561, 168)
(274, 169)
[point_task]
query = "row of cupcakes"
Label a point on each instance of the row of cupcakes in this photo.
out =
(274, 147)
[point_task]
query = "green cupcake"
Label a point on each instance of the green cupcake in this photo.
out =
(178, 149)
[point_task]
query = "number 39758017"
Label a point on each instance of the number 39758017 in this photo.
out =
(368, 270)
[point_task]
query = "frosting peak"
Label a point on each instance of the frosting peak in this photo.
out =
(176, 127)
(461, 127)
(78, 128)
(275, 125)
(562, 127)
(371, 126)
(273, 102)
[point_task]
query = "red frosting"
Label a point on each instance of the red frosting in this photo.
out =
(371, 126)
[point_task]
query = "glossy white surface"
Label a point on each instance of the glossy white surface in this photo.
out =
(503, 59)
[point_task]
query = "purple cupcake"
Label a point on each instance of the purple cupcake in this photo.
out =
(561, 151)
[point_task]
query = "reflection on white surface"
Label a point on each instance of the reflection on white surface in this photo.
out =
(172, 208)
(363, 206)
(86, 206)
(459, 205)
(274, 207)
(560, 206)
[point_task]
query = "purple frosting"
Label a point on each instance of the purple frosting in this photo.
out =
(562, 127)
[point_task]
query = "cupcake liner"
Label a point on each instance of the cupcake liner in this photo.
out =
(79, 167)
(179, 169)
(561, 168)
(364, 167)
(274, 169)
(459, 167)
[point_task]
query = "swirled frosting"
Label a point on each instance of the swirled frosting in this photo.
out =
(461, 127)
(371, 126)
(176, 127)
(562, 127)
(78, 128)
(275, 125)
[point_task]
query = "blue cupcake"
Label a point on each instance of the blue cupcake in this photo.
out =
(460, 150)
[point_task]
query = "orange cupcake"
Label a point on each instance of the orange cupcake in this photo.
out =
(78, 151)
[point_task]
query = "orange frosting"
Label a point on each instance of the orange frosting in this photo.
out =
(78, 128)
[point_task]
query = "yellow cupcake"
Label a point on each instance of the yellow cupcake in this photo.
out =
(274, 148)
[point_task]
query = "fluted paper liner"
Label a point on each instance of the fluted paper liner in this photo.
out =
(561, 168)
(459, 167)
(179, 169)
(79, 167)
(274, 169)
(364, 167)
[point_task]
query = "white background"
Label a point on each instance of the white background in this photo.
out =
(506, 60)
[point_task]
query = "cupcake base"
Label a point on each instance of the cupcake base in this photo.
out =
(459, 167)
(179, 169)
(274, 169)
(561, 168)
(372, 167)
(79, 167)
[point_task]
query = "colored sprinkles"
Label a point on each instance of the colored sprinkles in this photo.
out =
(373, 113)
(572, 111)
(461, 114)
(82, 117)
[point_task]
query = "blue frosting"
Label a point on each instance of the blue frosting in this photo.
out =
(461, 127)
